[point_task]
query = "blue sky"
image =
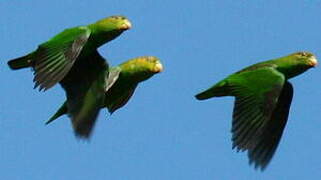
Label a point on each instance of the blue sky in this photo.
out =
(163, 132)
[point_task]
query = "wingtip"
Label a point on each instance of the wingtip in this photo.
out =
(258, 165)
(49, 121)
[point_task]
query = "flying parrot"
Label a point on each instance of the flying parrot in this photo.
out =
(103, 90)
(263, 97)
(67, 52)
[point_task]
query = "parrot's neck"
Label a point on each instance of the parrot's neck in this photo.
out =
(290, 72)
(134, 77)
(290, 68)
(132, 72)
(99, 37)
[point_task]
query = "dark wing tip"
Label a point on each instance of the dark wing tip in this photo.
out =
(49, 121)
(260, 161)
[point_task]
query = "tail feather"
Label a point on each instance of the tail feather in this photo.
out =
(21, 62)
(61, 111)
(218, 90)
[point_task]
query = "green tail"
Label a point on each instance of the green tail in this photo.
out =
(218, 90)
(21, 62)
(61, 111)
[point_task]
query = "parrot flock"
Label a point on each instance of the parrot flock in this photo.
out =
(262, 92)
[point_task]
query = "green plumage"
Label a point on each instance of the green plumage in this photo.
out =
(99, 89)
(54, 59)
(262, 101)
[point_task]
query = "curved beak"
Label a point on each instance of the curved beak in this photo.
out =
(313, 61)
(158, 67)
(126, 25)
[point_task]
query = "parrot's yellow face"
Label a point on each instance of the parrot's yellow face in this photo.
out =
(313, 61)
(305, 59)
(153, 63)
(142, 68)
(114, 23)
(296, 63)
(158, 67)
(149, 64)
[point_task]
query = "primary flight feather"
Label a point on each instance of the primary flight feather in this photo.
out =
(263, 97)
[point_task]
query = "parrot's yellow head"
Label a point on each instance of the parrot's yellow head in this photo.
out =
(142, 68)
(117, 23)
(152, 64)
(306, 59)
(296, 63)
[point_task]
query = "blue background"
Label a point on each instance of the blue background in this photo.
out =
(163, 132)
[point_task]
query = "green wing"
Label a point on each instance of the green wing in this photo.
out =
(85, 90)
(118, 92)
(54, 59)
(269, 140)
(121, 99)
(257, 95)
(61, 111)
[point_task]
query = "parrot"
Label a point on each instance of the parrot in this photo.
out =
(103, 90)
(263, 97)
(63, 54)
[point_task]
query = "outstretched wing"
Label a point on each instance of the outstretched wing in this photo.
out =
(85, 90)
(120, 100)
(258, 100)
(268, 142)
(53, 59)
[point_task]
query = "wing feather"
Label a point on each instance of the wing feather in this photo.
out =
(54, 59)
(257, 99)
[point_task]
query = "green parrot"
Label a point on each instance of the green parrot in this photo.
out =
(263, 97)
(102, 89)
(55, 59)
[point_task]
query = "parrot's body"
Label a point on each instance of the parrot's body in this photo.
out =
(104, 90)
(54, 59)
(262, 101)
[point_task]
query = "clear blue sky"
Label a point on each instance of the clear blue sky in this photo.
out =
(163, 133)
